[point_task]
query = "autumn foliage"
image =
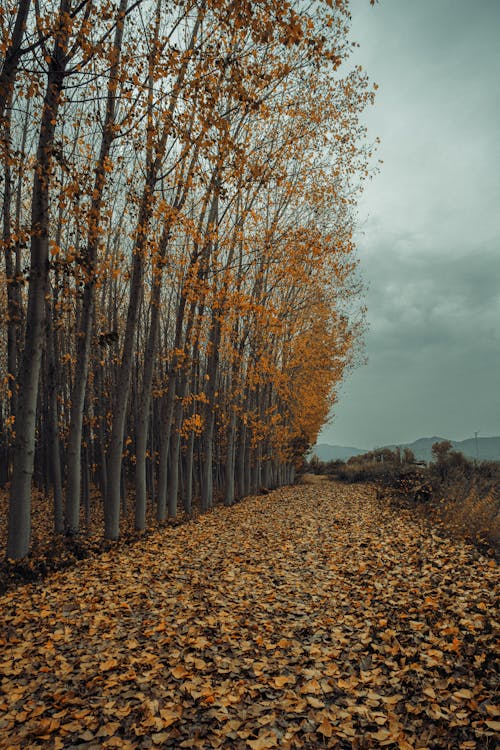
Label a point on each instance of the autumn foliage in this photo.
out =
(178, 297)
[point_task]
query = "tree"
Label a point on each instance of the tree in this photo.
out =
(89, 260)
(183, 177)
(20, 494)
(408, 456)
(441, 450)
(441, 453)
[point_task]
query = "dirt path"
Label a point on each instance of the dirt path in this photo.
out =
(312, 617)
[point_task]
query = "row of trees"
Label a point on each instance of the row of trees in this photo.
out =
(178, 299)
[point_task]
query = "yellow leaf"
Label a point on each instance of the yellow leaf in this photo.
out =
(315, 702)
(262, 743)
(107, 730)
(463, 694)
(48, 725)
(381, 735)
(312, 686)
(391, 699)
(325, 728)
(117, 741)
(495, 725)
(170, 716)
(105, 666)
(282, 680)
(179, 672)
(160, 737)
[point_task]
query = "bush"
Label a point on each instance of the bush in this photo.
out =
(368, 471)
(474, 513)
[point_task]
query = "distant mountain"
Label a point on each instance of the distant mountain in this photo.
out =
(327, 452)
(488, 449)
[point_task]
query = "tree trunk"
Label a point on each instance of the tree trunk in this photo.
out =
(53, 426)
(24, 450)
(84, 335)
(230, 460)
(241, 467)
(13, 54)
(114, 463)
(208, 432)
(13, 270)
(154, 163)
(188, 497)
(143, 415)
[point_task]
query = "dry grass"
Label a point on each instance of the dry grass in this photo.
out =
(314, 479)
(476, 516)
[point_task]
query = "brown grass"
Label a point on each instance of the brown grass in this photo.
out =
(314, 479)
(475, 516)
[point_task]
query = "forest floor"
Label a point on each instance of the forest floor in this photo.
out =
(313, 617)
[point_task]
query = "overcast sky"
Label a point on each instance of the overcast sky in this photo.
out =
(429, 230)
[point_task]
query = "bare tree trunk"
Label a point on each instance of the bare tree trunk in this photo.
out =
(13, 55)
(230, 460)
(173, 475)
(240, 463)
(208, 432)
(101, 430)
(53, 426)
(4, 450)
(84, 335)
(13, 271)
(232, 465)
(86, 482)
(10, 278)
(188, 496)
(256, 468)
(168, 407)
(248, 463)
(154, 163)
(112, 503)
(24, 451)
(143, 412)
(166, 422)
(145, 397)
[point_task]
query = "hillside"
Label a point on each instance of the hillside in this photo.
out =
(488, 449)
(327, 452)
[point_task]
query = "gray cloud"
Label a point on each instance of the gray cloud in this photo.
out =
(429, 234)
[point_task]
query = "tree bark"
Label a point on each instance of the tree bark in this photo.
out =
(84, 334)
(13, 55)
(112, 503)
(24, 450)
(53, 426)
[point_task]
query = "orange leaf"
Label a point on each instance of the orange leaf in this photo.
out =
(325, 728)
(282, 680)
(179, 672)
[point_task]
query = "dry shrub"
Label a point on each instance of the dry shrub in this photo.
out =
(369, 471)
(476, 516)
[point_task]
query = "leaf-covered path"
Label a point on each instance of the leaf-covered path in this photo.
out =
(312, 617)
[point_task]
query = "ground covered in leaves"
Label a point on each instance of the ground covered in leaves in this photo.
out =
(316, 616)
